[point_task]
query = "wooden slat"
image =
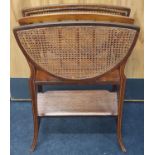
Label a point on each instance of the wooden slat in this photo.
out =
(74, 16)
(77, 103)
(44, 78)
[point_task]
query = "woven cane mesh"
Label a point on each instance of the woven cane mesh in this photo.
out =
(48, 10)
(77, 52)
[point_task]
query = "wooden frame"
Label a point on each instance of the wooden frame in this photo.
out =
(74, 16)
(115, 76)
(108, 9)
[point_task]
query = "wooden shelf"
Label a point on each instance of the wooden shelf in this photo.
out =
(77, 103)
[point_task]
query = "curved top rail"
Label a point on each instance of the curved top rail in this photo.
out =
(74, 16)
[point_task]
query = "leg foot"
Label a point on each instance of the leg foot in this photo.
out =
(35, 136)
(120, 141)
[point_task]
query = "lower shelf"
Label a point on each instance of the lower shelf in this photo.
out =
(77, 103)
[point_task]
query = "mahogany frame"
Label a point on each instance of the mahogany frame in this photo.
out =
(40, 77)
(74, 16)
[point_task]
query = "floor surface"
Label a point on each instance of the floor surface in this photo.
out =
(77, 135)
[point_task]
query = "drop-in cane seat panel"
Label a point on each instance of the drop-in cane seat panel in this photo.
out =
(77, 52)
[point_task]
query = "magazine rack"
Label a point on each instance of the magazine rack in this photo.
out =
(80, 53)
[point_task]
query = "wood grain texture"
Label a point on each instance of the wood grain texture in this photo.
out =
(135, 65)
(43, 78)
(77, 103)
(72, 16)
